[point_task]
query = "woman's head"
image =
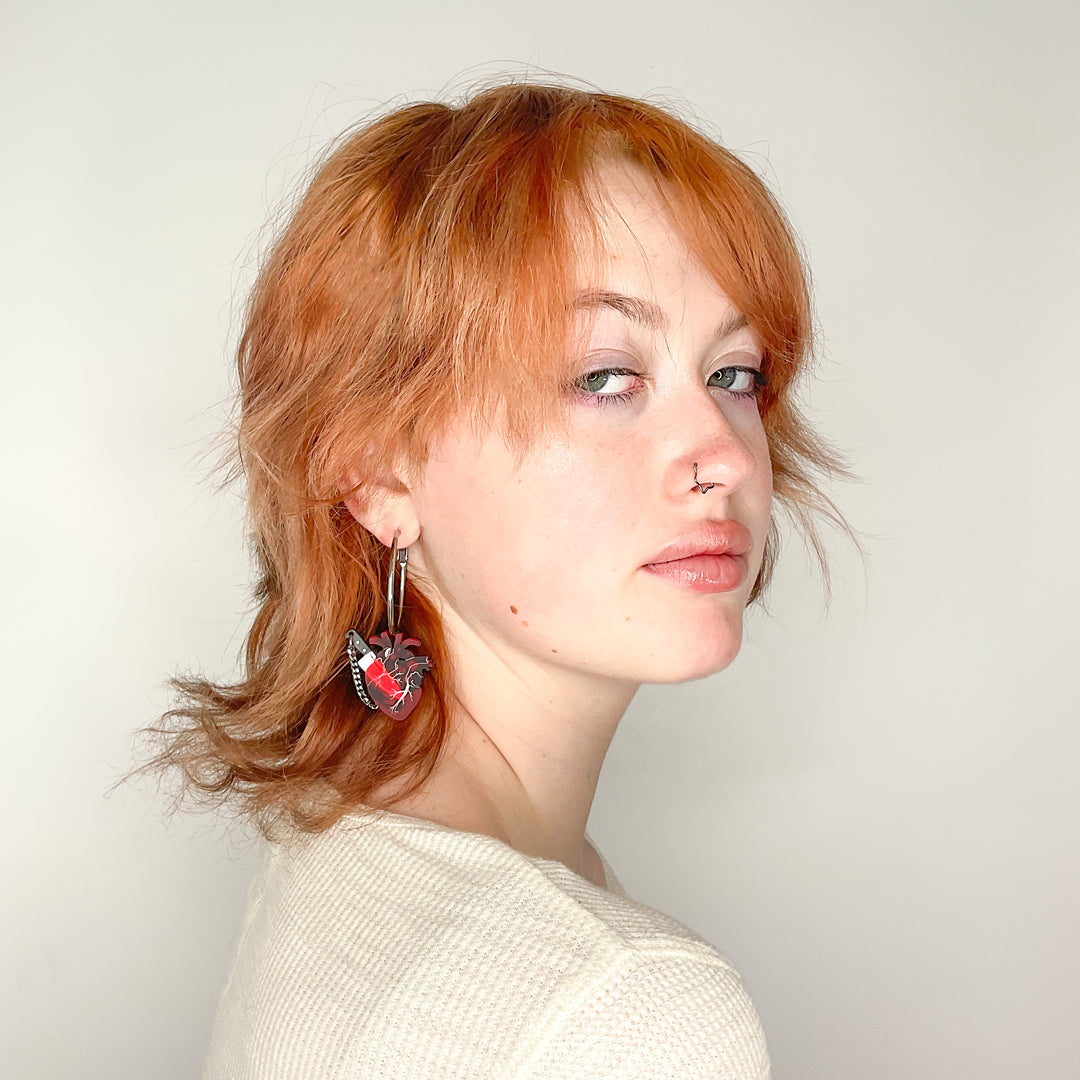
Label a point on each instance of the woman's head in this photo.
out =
(412, 362)
(538, 558)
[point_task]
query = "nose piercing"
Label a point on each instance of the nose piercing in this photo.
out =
(700, 486)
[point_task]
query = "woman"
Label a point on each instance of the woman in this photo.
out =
(534, 353)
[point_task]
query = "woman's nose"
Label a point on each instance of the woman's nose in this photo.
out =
(715, 446)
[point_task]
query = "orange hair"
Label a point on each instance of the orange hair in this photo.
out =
(427, 272)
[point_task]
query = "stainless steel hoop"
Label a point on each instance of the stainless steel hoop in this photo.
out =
(399, 558)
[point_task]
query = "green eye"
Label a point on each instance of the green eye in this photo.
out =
(597, 388)
(726, 378)
(595, 380)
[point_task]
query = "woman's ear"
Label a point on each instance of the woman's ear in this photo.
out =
(384, 505)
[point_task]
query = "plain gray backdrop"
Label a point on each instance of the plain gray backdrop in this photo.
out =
(874, 812)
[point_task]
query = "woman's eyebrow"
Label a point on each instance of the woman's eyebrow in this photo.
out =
(648, 314)
(735, 320)
(633, 308)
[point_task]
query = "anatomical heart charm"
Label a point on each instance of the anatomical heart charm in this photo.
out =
(406, 669)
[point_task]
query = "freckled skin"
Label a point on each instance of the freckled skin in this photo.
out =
(569, 531)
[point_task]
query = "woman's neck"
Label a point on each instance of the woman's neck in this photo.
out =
(522, 773)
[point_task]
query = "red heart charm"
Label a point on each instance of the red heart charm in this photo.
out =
(407, 668)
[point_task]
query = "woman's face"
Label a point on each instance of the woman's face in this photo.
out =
(548, 562)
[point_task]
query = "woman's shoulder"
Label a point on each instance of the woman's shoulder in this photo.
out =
(387, 930)
(384, 867)
(415, 877)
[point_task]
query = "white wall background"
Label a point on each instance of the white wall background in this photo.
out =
(875, 813)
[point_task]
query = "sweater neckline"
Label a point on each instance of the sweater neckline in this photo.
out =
(409, 821)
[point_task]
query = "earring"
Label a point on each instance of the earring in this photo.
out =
(389, 676)
(703, 488)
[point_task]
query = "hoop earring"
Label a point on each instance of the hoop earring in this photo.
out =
(389, 677)
(703, 488)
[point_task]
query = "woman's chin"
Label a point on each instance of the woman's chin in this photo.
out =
(706, 655)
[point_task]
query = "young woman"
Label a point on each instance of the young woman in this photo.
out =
(533, 355)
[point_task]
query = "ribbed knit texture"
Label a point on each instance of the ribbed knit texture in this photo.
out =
(390, 947)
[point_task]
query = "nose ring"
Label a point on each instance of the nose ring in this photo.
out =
(700, 486)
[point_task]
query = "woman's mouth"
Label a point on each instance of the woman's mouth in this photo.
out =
(703, 573)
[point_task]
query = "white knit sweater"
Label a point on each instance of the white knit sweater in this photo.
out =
(395, 947)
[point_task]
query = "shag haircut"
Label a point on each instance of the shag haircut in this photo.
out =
(427, 273)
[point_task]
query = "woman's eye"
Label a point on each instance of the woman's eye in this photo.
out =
(608, 386)
(608, 381)
(745, 382)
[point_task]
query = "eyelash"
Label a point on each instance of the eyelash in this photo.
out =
(603, 400)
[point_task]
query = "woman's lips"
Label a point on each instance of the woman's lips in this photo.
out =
(703, 573)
